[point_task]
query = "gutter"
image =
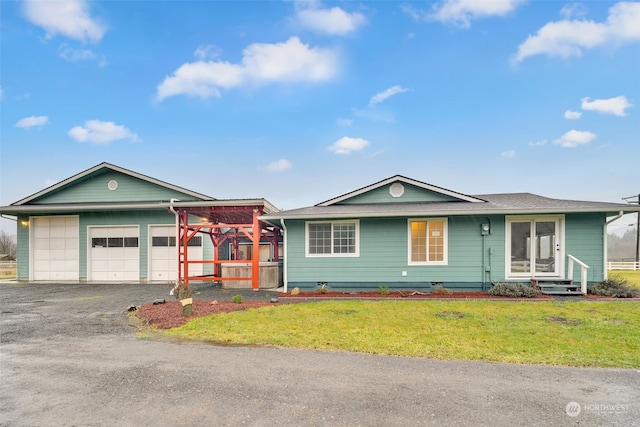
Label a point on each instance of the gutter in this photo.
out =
(395, 214)
(604, 234)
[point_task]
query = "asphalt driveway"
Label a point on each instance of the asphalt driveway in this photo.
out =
(69, 357)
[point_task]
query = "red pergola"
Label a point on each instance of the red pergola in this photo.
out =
(224, 221)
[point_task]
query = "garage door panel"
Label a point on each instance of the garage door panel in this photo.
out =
(55, 248)
(57, 255)
(41, 243)
(114, 255)
(131, 265)
(163, 254)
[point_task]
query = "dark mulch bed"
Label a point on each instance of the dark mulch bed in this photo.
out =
(169, 315)
(403, 294)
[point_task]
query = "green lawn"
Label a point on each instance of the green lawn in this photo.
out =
(603, 334)
(632, 277)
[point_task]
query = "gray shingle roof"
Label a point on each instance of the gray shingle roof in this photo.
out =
(512, 203)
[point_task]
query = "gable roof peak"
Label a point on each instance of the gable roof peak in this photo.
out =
(402, 179)
(110, 166)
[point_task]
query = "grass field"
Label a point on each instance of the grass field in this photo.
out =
(632, 277)
(601, 334)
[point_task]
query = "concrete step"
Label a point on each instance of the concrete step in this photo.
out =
(552, 287)
(575, 293)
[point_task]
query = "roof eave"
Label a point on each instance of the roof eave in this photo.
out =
(87, 207)
(340, 215)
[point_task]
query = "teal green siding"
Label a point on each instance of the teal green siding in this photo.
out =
(22, 255)
(471, 261)
(384, 255)
(411, 194)
(584, 239)
(94, 189)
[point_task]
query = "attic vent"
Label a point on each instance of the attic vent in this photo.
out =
(112, 185)
(396, 189)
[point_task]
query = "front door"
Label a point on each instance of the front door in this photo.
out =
(534, 246)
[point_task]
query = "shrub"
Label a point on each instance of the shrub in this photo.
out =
(513, 290)
(442, 291)
(237, 299)
(322, 289)
(617, 287)
(383, 290)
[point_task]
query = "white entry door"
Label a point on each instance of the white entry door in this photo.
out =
(54, 248)
(113, 254)
(534, 246)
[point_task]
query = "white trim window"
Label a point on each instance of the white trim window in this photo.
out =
(428, 241)
(332, 238)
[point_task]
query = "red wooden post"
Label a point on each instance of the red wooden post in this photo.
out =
(255, 262)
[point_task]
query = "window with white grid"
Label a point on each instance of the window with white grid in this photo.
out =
(332, 238)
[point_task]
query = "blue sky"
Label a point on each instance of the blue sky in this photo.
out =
(298, 102)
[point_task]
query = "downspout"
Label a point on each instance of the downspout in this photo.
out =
(606, 224)
(285, 276)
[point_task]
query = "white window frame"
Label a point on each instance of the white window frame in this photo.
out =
(445, 248)
(356, 254)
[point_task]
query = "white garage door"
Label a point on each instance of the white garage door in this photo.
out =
(164, 255)
(114, 254)
(55, 254)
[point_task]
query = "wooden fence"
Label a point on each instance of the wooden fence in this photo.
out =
(8, 270)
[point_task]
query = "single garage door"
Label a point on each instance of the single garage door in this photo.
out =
(164, 255)
(55, 254)
(114, 254)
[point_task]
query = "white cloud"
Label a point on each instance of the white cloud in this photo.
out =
(572, 115)
(344, 122)
(279, 165)
(569, 37)
(70, 18)
(508, 154)
(73, 55)
(573, 10)
(462, 12)
(615, 106)
(99, 132)
(334, 21)
(573, 138)
(208, 51)
(384, 95)
(29, 122)
(262, 63)
(373, 115)
(347, 145)
(538, 143)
